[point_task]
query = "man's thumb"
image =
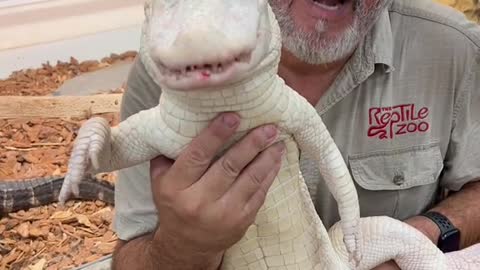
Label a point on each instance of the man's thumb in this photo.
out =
(159, 166)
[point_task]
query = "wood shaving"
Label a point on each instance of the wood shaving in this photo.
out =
(50, 237)
(38, 147)
(46, 79)
(56, 237)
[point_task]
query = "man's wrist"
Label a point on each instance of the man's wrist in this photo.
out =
(179, 255)
(425, 226)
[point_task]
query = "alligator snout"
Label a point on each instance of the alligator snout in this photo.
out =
(192, 48)
(204, 39)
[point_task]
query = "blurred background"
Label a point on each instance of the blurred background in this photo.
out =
(471, 8)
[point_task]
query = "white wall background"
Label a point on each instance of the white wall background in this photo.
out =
(36, 31)
(11, 3)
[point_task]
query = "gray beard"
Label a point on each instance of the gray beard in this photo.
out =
(312, 47)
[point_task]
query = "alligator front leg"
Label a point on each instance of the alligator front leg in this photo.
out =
(100, 148)
(314, 139)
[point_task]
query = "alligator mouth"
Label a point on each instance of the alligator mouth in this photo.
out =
(205, 69)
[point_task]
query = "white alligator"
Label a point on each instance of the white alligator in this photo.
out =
(212, 56)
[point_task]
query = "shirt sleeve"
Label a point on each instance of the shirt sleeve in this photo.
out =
(135, 212)
(462, 163)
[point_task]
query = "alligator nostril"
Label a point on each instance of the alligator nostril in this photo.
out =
(189, 68)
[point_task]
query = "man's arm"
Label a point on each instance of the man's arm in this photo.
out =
(146, 252)
(462, 209)
(462, 167)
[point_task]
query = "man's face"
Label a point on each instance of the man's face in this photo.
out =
(324, 31)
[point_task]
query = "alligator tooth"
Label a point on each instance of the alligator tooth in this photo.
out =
(229, 61)
(244, 57)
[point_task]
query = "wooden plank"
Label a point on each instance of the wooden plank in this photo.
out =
(101, 264)
(58, 106)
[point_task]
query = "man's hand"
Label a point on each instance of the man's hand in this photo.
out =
(391, 265)
(204, 207)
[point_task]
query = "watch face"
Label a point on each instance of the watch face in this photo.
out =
(450, 241)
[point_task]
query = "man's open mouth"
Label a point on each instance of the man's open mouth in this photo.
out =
(331, 4)
(331, 11)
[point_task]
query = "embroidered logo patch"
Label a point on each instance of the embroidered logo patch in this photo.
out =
(389, 122)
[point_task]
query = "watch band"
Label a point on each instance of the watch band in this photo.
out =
(447, 230)
(442, 221)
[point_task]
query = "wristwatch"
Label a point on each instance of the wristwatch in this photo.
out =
(449, 239)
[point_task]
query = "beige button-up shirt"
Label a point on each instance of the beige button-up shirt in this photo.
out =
(405, 113)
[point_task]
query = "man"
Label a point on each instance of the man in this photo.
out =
(397, 84)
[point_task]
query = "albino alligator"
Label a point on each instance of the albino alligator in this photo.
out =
(27, 193)
(215, 56)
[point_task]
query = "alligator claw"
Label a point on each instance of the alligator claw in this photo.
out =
(85, 156)
(352, 244)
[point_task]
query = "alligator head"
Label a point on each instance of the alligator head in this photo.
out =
(192, 44)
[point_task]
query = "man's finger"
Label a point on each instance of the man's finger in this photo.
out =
(225, 171)
(258, 198)
(390, 265)
(258, 176)
(197, 156)
(159, 166)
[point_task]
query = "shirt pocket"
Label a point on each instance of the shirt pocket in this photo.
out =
(397, 169)
(400, 182)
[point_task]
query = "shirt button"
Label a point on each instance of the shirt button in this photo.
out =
(399, 179)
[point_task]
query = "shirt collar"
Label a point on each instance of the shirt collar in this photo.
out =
(374, 51)
(373, 54)
(382, 45)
